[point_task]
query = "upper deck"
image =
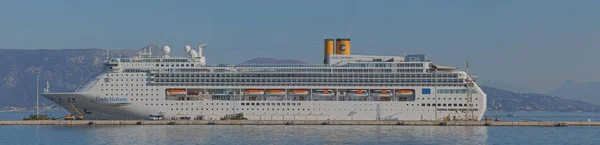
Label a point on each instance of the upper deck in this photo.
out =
(342, 70)
(337, 64)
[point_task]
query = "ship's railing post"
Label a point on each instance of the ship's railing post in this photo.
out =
(264, 96)
(286, 93)
(368, 94)
(394, 98)
(337, 93)
(310, 94)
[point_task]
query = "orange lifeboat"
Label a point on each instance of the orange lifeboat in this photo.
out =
(175, 91)
(298, 92)
(405, 92)
(381, 93)
(276, 92)
(194, 92)
(357, 93)
(254, 92)
(323, 93)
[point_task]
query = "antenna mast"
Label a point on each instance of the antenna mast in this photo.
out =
(469, 95)
(37, 94)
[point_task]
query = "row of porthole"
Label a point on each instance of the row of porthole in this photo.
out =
(444, 105)
(128, 90)
(294, 109)
(126, 75)
(182, 103)
(175, 65)
(262, 104)
(445, 98)
(131, 94)
(145, 100)
(127, 85)
(125, 64)
(127, 80)
(269, 104)
(293, 104)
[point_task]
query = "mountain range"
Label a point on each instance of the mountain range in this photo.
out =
(504, 86)
(66, 69)
(586, 91)
(503, 100)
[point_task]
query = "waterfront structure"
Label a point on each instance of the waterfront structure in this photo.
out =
(345, 87)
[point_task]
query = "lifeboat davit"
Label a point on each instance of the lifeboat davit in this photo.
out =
(175, 91)
(323, 93)
(358, 93)
(275, 92)
(298, 92)
(381, 93)
(254, 92)
(404, 92)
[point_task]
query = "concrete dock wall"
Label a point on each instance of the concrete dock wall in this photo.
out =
(293, 122)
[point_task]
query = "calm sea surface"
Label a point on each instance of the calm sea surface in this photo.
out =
(281, 134)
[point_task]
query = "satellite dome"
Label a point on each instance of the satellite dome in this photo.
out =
(167, 49)
(193, 53)
(187, 48)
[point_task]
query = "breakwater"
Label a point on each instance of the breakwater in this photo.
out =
(294, 122)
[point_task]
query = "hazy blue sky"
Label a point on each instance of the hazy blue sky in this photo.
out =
(535, 43)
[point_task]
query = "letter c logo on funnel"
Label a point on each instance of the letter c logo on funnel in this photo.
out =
(343, 47)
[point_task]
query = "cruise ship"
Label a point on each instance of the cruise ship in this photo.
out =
(344, 87)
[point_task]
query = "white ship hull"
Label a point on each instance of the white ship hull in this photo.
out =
(187, 88)
(301, 110)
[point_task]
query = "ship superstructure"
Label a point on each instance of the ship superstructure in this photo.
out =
(345, 87)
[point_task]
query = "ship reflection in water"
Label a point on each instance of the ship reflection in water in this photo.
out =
(276, 134)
